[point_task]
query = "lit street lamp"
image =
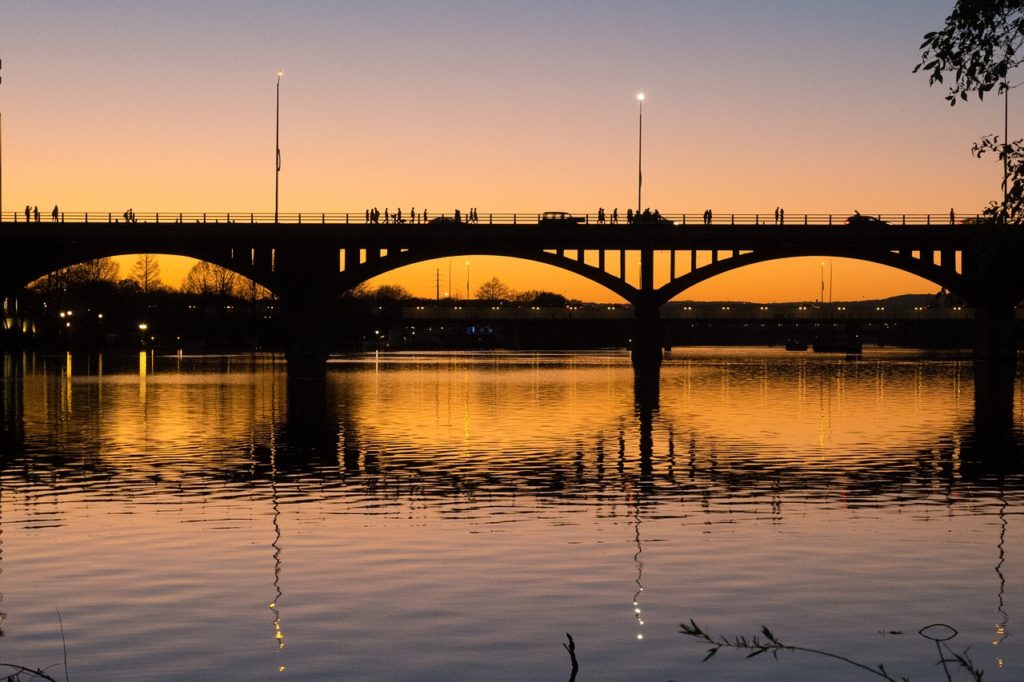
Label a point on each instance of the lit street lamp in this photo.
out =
(640, 155)
(277, 143)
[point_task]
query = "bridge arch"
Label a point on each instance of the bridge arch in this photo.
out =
(40, 267)
(355, 275)
(943, 276)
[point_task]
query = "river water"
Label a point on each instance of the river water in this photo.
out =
(453, 516)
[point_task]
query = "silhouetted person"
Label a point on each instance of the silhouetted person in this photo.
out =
(629, 216)
(782, 216)
(55, 213)
(458, 216)
(28, 213)
(600, 215)
(425, 216)
(35, 213)
(398, 216)
(367, 216)
(776, 215)
(412, 215)
(952, 217)
(615, 215)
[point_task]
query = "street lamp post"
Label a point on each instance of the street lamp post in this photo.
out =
(467, 280)
(1006, 145)
(640, 155)
(821, 295)
(277, 143)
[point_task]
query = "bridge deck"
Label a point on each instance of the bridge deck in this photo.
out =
(505, 218)
(150, 237)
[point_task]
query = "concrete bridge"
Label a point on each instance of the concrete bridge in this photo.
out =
(312, 258)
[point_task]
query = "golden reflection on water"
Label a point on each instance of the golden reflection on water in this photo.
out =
(396, 456)
(485, 416)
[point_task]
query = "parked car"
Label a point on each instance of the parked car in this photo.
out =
(559, 218)
(858, 220)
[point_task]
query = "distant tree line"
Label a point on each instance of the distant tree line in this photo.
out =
(91, 304)
(493, 290)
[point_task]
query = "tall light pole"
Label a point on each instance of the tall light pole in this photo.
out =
(1006, 145)
(277, 143)
(467, 280)
(821, 297)
(830, 281)
(640, 155)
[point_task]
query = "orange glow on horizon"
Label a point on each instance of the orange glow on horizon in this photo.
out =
(798, 113)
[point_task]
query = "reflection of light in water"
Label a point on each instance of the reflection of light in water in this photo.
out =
(276, 544)
(143, 369)
(66, 407)
(637, 611)
(3, 616)
(1001, 625)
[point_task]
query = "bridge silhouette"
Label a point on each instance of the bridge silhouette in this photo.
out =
(307, 260)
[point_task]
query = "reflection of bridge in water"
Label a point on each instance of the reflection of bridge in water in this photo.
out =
(321, 432)
(309, 262)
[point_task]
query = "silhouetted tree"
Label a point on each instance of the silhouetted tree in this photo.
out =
(541, 298)
(391, 293)
(207, 279)
(146, 273)
(83, 285)
(92, 271)
(494, 290)
(978, 47)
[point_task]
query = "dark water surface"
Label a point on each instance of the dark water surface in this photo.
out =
(452, 516)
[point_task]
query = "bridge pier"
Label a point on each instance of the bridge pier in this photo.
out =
(995, 373)
(305, 345)
(995, 331)
(649, 332)
(307, 296)
(648, 340)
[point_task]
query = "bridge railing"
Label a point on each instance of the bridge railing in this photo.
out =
(505, 218)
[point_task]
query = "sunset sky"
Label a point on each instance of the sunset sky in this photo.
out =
(503, 106)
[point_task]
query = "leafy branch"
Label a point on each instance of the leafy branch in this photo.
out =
(768, 643)
(1012, 153)
(20, 670)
